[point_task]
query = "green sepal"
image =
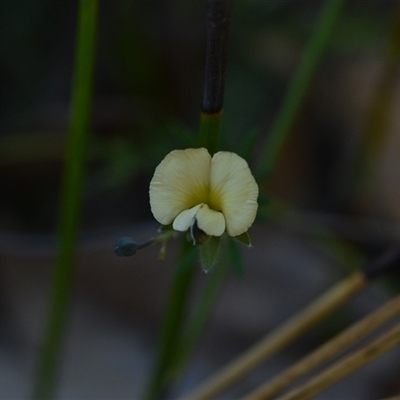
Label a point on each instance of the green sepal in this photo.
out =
(244, 238)
(209, 253)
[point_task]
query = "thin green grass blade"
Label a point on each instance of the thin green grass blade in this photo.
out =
(300, 84)
(71, 199)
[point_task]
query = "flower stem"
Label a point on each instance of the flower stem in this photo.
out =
(197, 321)
(210, 130)
(175, 313)
(218, 19)
(300, 84)
(71, 199)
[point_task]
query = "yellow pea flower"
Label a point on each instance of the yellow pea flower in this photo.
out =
(217, 193)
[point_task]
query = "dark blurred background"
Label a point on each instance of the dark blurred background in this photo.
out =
(339, 174)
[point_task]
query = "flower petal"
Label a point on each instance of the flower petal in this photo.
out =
(209, 221)
(234, 191)
(180, 182)
(185, 219)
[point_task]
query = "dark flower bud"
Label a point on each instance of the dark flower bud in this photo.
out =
(125, 247)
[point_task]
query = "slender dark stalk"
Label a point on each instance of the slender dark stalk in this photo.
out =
(71, 199)
(218, 17)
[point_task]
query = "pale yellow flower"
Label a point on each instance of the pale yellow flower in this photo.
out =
(218, 193)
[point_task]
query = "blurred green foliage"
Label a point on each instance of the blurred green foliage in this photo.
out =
(148, 89)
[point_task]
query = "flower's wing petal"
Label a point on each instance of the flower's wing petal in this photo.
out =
(234, 191)
(180, 182)
(185, 219)
(210, 221)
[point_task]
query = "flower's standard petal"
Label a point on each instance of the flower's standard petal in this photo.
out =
(234, 191)
(185, 219)
(209, 221)
(180, 182)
